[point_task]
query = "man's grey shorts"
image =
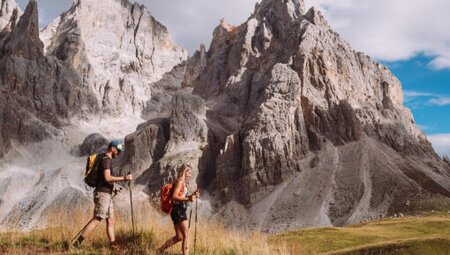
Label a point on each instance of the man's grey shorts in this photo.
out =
(103, 205)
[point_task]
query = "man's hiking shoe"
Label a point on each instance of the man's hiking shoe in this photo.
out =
(76, 244)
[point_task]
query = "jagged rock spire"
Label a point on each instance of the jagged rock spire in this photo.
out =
(282, 10)
(284, 89)
(8, 9)
(24, 39)
(121, 52)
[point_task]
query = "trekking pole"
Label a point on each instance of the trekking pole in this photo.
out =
(81, 231)
(190, 218)
(131, 203)
(195, 226)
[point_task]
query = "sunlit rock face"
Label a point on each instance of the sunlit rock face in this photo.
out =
(88, 77)
(39, 93)
(9, 14)
(87, 64)
(310, 132)
(120, 53)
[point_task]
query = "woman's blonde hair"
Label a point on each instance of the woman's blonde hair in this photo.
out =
(182, 170)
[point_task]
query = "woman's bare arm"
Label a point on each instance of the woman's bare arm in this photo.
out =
(177, 190)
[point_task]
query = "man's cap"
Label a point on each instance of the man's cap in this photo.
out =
(117, 144)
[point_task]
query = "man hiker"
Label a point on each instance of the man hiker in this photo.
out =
(103, 208)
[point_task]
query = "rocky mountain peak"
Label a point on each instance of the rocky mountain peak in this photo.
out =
(101, 58)
(315, 17)
(122, 53)
(286, 11)
(24, 38)
(8, 9)
(309, 121)
(39, 93)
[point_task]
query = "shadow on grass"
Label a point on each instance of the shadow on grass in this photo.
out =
(143, 242)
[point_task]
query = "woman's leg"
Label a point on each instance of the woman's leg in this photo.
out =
(185, 232)
(172, 241)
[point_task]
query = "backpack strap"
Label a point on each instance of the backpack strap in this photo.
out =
(100, 173)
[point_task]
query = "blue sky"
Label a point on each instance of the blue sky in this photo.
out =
(426, 92)
(410, 37)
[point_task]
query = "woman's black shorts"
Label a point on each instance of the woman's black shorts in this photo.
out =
(178, 213)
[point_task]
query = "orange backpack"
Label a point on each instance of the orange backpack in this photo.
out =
(166, 197)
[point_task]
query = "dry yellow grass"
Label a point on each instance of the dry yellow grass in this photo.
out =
(212, 237)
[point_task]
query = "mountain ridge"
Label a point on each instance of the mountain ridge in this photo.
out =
(283, 123)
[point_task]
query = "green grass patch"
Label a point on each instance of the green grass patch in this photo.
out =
(415, 247)
(415, 231)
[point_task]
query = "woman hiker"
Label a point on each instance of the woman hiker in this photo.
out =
(178, 213)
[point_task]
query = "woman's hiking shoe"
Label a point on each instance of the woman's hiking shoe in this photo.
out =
(161, 252)
(114, 246)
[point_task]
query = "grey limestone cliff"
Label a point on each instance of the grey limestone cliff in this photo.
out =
(302, 129)
(38, 92)
(120, 53)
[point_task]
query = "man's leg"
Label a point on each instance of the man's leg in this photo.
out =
(88, 229)
(91, 226)
(110, 229)
(110, 223)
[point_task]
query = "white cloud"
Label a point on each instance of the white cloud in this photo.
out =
(410, 95)
(392, 30)
(416, 98)
(441, 101)
(441, 143)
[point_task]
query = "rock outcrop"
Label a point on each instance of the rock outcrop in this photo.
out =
(93, 143)
(74, 79)
(84, 66)
(187, 142)
(9, 14)
(38, 93)
(310, 131)
(120, 53)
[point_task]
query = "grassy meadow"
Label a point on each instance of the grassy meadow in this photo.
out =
(421, 235)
